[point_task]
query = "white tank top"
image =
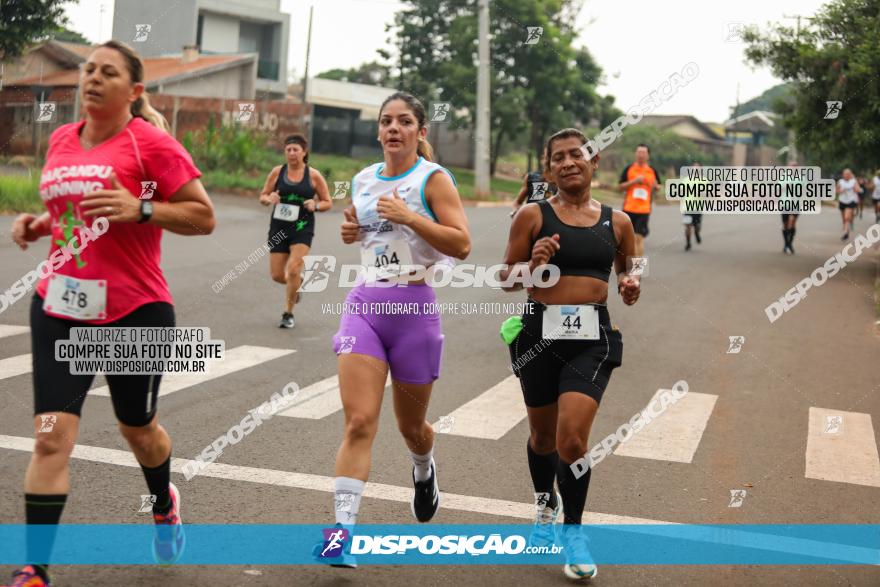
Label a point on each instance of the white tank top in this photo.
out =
(847, 191)
(369, 185)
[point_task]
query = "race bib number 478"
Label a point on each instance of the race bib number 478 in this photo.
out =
(79, 299)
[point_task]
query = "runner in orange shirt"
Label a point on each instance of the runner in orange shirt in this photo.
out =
(639, 180)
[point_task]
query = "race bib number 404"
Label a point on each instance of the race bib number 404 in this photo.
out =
(570, 323)
(385, 260)
(287, 212)
(79, 299)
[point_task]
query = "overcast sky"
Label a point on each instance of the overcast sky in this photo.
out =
(638, 43)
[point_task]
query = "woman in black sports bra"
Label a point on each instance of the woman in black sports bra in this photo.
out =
(566, 348)
(295, 191)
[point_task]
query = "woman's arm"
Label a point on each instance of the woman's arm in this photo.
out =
(628, 286)
(519, 243)
(28, 228)
(323, 202)
(268, 195)
(449, 234)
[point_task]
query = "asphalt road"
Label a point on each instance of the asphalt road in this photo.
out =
(821, 354)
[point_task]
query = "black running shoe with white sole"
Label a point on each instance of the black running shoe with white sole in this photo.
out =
(426, 498)
(287, 320)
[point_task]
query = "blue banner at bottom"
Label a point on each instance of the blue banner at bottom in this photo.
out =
(625, 544)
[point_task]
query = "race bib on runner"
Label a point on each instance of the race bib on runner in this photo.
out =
(385, 260)
(570, 323)
(286, 212)
(79, 299)
(640, 194)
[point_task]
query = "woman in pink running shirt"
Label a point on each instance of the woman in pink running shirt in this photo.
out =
(111, 184)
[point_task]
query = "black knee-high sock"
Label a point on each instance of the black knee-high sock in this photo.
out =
(573, 491)
(791, 232)
(42, 509)
(158, 479)
(543, 471)
(785, 237)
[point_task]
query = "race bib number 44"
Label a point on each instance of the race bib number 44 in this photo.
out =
(287, 212)
(570, 323)
(79, 299)
(385, 260)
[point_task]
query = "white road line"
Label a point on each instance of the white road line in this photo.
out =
(14, 366)
(238, 358)
(841, 446)
(318, 400)
(490, 415)
(452, 501)
(10, 330)
(675, 434)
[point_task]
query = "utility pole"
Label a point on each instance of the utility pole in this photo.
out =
(481, 172)
(302, 112)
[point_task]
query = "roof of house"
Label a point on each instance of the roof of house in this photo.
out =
(157, 70)
(754, 121)
(668, 120)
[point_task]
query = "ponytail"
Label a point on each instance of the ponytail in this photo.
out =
(425, 150)
(142, 109)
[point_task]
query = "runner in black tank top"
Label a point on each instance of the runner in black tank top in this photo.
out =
(564, 348)
(297, 192)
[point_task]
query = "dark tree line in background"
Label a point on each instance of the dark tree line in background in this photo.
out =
(835, 55)
(23, 22)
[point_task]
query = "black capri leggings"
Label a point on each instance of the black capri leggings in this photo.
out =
(57, 390)
(548, 368)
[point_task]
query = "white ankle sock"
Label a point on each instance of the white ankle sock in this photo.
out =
(422, 464)
(347, 499)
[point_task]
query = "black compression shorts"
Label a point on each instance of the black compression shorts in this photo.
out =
(547, 368)
(288, 235)
(639, 222)
(57, 390)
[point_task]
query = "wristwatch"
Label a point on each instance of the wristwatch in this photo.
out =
(146, 211)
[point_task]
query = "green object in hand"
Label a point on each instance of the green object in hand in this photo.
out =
(510, 329)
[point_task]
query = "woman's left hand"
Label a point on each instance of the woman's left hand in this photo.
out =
(394, 208)
(117, 204)
(309, 205)
(629, 289)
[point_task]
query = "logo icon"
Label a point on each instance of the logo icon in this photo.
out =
(440, 111)
(148, 188)
(539, 190)
(533, 34)
(736, 343)
(147, 503)
(141, 32)
(47, 422)
(245, 112)
(639, 266)
(317, 272)
(340, 189)
(606, 223)
(833, 108)
(334, 540)
(735, 32)
(833, 424)
(46, 111)
(445, 424)
(346, 344)
(737, 496)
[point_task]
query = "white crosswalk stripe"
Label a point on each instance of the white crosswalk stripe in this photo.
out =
(841, 446)
(236, 359)
(10, 330)
(675, 434)
(490, 415)
(318, 400)
(15, 366)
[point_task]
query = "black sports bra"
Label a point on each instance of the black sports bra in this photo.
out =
(583, 250)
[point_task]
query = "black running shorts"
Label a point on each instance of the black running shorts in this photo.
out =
(134, 397)
(639, 222)
(548, 368)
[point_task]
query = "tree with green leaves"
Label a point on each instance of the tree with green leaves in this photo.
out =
(833, 57)
(372, 73)
(538, 85)
(24, 22)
